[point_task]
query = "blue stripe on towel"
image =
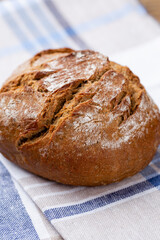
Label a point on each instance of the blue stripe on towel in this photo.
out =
(110, 17)
(156, 158)
(61, 212)
(155, 181)
(25, 17)
(58, 36)
(152, 180)
(90, 205)
(14, 26)
(49, 26)
(65, 24)
(15, 222)
(148, 172)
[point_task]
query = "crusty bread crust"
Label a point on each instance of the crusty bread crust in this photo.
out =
(77, 118)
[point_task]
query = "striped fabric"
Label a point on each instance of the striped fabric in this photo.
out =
(34, 208)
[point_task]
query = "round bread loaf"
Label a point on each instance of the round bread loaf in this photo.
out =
(77, 118)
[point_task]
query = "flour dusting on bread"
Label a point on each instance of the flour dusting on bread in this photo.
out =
(77, 118)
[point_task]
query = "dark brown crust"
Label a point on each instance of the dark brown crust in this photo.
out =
(77, 118)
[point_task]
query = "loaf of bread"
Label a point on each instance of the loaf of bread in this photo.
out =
(77, 118)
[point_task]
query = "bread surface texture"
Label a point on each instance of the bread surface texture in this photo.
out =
(77, 118)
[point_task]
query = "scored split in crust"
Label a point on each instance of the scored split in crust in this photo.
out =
(61, 103)
(77, 118)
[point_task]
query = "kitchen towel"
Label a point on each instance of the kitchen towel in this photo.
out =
(34, 208)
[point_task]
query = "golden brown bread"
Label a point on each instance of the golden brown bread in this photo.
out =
(77, 118)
